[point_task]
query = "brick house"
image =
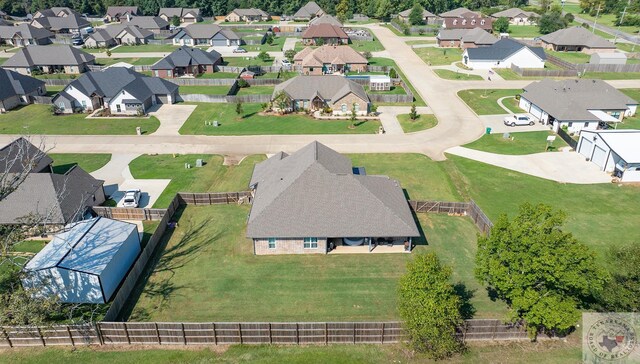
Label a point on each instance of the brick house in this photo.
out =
(464, 38)
(463, 18)
(49, 59)
(517, 16)
(576, 39)
(18, 89)
(206, 34)
(330, 59)
(117, 13)
(186, 15)
(324, 34)
(187, 61)
(247, 15)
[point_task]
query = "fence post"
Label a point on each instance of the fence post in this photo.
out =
(326, 333)
(126, 331)
(158, 334)
(184, 334)
(98, 333)
(495, 328)
(70, 336)
(270, 338)
(215, 337)
(240, 332)
(6, 336)
(297, 334)
(354, 332)
(41, 337)
(382, 334)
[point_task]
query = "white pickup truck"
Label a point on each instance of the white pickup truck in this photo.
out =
(518, 119)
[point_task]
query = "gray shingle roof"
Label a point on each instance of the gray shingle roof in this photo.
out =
(576, 36)
(250, 12)
(456, 13)
(187, 56)
(425, 13)
(207, 31)
(14, 83)
(513, 12)
(501, 50)
(117, 11)
(111, 31)
(308, 10)
(179, 12)
(325, 19)
(314, 193)
(148, 22)
(328, 87)
(37, 55)
(569, 100)
(475, 35)
(19, 155)
(24, 30)
(70, 22)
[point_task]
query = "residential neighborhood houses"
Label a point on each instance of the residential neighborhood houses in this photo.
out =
(187, 61)
(18, 89)
(503, 54)
(185, 15)
(206, 34)
(247, 15)
(24, 34)
(118, 34)
(576, 39)
(121, 13)
(330, 59)
(39, 59)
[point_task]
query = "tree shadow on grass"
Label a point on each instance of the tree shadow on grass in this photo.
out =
(466, 308)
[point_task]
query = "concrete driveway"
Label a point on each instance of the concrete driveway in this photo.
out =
(150, 190)
(496, 123)
(171, 117)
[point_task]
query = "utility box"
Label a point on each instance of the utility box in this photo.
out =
(199, 163)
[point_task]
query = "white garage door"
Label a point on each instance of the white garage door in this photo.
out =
(599, 157)
(536, 111)
(585, 147)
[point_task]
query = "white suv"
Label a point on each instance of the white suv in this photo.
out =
(131, 198)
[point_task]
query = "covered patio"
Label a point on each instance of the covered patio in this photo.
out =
(369, 245)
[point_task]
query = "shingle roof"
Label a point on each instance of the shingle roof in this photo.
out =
(148, 22)
(14, 84)
(54, 11)
(37, 55)
(501, 50)
(187, 56)
(112, 31)
(569, 100)
(576, 36)
(314, 193)
(324, 31)
(325, 19)
(512, 13)
(207, 31)
(468, 22)
(342, 54)
(116, 11)
(328, 87)
(425, 13)
(19, 156)
(457, 13)
(308, 10)
(179, 12)
(24, 30)
(250, 12)
(72, 22)
(475, 35)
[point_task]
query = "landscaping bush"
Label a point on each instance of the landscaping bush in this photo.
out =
(242, 83)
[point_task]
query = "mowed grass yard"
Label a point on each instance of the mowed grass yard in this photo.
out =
(519, 143)
(450, 75)
(252, 123)
(423, 122)
(37, 119)
(62, 162)
(485, 102)
(439, 56)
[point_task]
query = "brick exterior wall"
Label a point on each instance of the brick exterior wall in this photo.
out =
(162, 73)
(349, 100)
(288, 246)
(448, 43)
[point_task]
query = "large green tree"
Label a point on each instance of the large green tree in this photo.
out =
(501, 25)
(342, 9)
(542, 272)
(622, 292)
(415, 16)
(551, 21)
(430, 308)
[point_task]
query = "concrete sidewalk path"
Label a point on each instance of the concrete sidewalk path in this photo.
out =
(171, 117)
(389, 117)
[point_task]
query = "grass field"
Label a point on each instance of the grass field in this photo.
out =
(367, 45)
(439, 56)
(213, 177)
(394, 90)
(145, 48)
(392, 63)
(418, 42)
(246, 61)
(37, 119)
(142, 61)
(521, 143)
(205, 90)
(604, 19)
(379, 61)
(424, 121)
(278, 42)
(613, 75)
(62, 162)
(256, 90)
(572, 57)
(52, 90)
(524, 31)
(254, 124)
(634, 121)
(450, 75)
(485, 102)
(219, 75)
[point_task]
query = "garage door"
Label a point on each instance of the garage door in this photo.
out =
(536, 111)
(585, 147)
(220, 42)
(599, 157)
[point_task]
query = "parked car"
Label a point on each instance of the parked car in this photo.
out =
(77, 41)
(286, 63)
(239, 50)
(518, 119)
(131, 198)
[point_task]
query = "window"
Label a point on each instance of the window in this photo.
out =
(118, 109)
(344, 108)
(455, 21)
(357, 107)
(482, 22)
(616, 114)
(586, 124)
(272, 243)
(473, 22)
(310, 243)
(84, 104)
(570, 124)
(464, 21)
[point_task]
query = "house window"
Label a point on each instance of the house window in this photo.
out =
(84, 104)
(61, 105)
(570, 124)
(616, 114)
(357, 107)
(272, 243)
(464, 21)
(455, 21)
(473, 22)
(310, 243)
(344, 108)
(586, 124)
(482, 22)
(118, 108)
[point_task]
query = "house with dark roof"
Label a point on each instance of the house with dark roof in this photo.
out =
(576, 104)
(319, 92)
(330, 59)
(206, 34)
(113, 35)
(517, 16)
(321, 34)
(49, 59)
(427, 16)
(21, 156)
(24, 34)
(71, 23)
(503, 54)
(119, 90)
(325, 19)
(18, 89)
(119, 13)
(247, 15)
(314, 200)
(309, 11)
(465, 38)
(186, 15)
(187, 61)
(576, 39)
(56, 11)
(152, 23)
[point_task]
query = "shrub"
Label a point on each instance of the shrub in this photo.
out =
(242, 83)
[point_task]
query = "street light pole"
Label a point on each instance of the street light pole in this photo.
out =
(615, 36)
(595, 20)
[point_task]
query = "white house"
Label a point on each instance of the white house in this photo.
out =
(85, 263)
(613, 151)
(504, 53)
(517, 16)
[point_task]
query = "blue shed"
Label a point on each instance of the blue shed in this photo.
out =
(86, 263)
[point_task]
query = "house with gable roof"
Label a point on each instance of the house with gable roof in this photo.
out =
(330, 59)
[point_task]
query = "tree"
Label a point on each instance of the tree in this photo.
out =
(289, 54)
(342, 9)
(501, 25)
(622, 292)
(239, 109)
(543, 273)
(175, 21)
(550, 22)
(367, 55)
(282, 102)
(569, 18)
(415, 16)
(263, 56)
(108, 52)
(429, 307)
(413, 114)
(383, 10)
(353, 116)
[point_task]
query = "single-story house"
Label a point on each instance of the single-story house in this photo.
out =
(120, 90)
(325, 19)
(152, 23)
(504, 53)
(118, 13)
(86, 262)
(18, 89)
(468, 22)
(187, 61)
(56, 11)
(247, 15)
(113, 35)
(324, 34)
(517, 16)
(576, 39)
(608, 58)
(465, 38)
(62, 25)
(313, 200)
(458, 12)
(24, 34)
(186, 15)
(206, 34)
(427, 16)
(330, 59)
(49, 59)
(22, 156)
(309, 11)
(318, 92)
(576, 104)
(613, 151)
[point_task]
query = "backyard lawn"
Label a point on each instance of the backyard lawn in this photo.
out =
(367, 45)
(485, 102)
(634, 121)
(572, 57)
(439, 56)
(37, 119)
(613, 75)
(519, 143)
(524, 31)
(205, 90)
(450, 75)
(246, 61)
(53, 90)
(278, 42)
(219, 75)
(252, 123)
(380, 61)
(142, 61)
(424, 121)
(392, 63)
(62, 162)
(256, 90)
(145, 48)
(212, 177)
(395, 90)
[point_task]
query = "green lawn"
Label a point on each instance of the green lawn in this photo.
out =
(276, 46)
(205, 90)
(450, 75)
(53, 90)
(142, 61)
(512, 104)
(212, 177)
(424, 121)
(29, 246)
(145, 48)
(485, 102)
(392, 63)
(219, 75)
(439, 56)
(524, 31)
(572, 57)
(628, 47)
(604, 19)
(254, 124)
(37, 119)
(418, 42)
(62, 162)
(379, 61)
(519, 143)
(256, 90)
(631, 122)
(246, 61)
(367, 45)
(395, 90)
(613, 75)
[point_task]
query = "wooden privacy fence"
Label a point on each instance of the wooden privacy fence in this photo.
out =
(492, 329)
(124, 213)
(471, 209)
(202, 81)
(567, 138)
(189, 198)
(588, 67)
(57, 81)
(528, 72)
(203, 98)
